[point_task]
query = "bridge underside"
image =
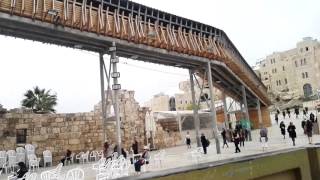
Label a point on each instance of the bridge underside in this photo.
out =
(26, 28)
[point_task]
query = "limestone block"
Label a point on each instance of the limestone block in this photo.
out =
(59, 120)
(74, 141)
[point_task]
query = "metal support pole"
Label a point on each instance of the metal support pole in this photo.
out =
(116, 87)
(244, 98)
(213, 110)
(195, 109)
(259, 112)
(103, 100)
(226, 120)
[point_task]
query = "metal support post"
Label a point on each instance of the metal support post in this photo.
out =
(226, 120)
(116, 87)
(213, 110)
(244, 98)
(259, 112)
(103, 100)
(195, 109)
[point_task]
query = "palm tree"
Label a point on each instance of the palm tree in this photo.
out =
(40, 100)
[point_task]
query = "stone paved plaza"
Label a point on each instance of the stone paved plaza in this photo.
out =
(179, 157)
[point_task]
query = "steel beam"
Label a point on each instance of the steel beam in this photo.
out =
(225, 112)
(113, 58)
(245, 104)
(213, 110)
(103, 100)
(195, 109)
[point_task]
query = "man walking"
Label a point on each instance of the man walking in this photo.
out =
(224, 137)
(204, 143)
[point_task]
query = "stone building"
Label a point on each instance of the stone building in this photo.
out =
(294, 73)
(183, 100)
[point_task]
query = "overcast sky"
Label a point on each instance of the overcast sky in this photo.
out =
(256, 27)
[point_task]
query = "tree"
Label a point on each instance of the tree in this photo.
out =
(40, 100)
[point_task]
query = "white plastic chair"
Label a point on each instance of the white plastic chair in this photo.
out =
(93, 155)
(79, 157)
(54, 174)
(32, 176)
(33, 161)
(99, 154)
(21, 154)
(85, 157)
(30, 149)
(75, 174)
(12, 159)
(96, 166)
(3, 160)
(47, 158)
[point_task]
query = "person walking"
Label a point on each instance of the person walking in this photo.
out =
(303, 125)
(276, 118)
(236, 140)
(242, 137)
(284, 114)
(312, 117)
(263, 134)
(188, 140)
(283, 129)
(296, 111)
(288, 112)
(309, 127)
(224, 137)
(204, 142)
(292, 132)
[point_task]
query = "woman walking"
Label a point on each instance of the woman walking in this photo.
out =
(308, 128)
(236, 140)
(292, 132)
(283, 129)
(188, 140)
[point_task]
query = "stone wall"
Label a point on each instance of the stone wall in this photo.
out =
(77, 132)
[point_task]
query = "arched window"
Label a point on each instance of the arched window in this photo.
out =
(307, 90)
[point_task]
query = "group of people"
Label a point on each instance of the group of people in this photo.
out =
(306, 124)
(136, 159)
(239, 135)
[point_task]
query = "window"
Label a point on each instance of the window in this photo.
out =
(285, 81)
(306, 74)
(181, 102)
(304, 61)
(186, 102)
(283, 68)
(21, 136)
(265, 79)
(280, 82)
(301, 62)
(302, 75)
(277, 83)
(307, 48)
(296, 63)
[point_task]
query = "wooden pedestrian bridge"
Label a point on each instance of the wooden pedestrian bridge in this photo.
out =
(140, 33)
